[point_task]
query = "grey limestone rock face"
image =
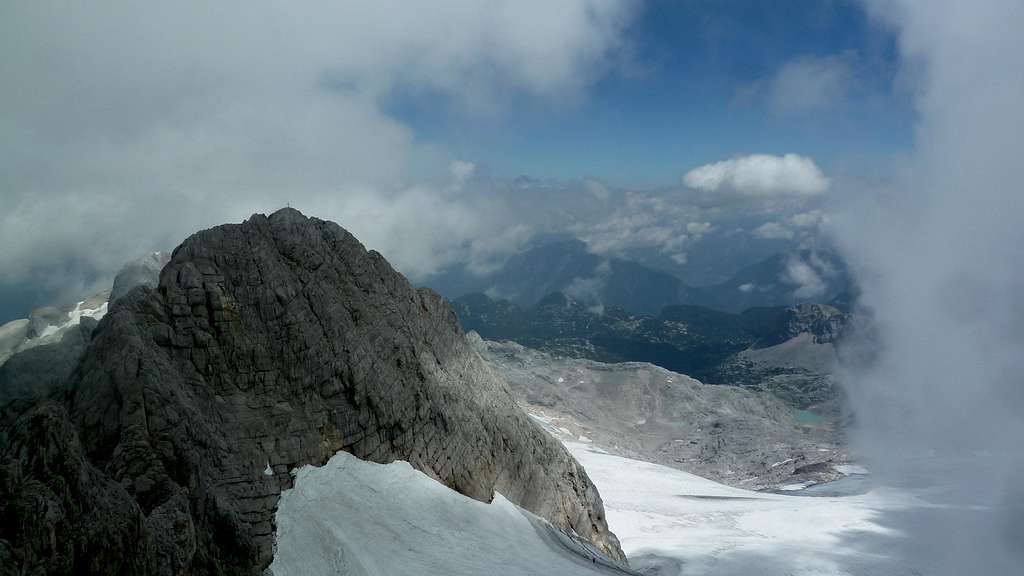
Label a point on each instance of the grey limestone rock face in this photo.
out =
(271, 343)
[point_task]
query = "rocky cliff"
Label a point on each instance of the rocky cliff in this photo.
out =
(266, 346)
(825, 323)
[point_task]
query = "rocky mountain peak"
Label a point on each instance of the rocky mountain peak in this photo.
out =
(265, 346)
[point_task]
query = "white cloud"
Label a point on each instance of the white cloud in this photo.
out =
(811, 83)
(597, 189)
(760, 176)
(640, 221)
(462, 171)
(809, 219)
(808, 282)
(773, 231)
(422, 229)
(698, 228)
(129, 125)
(937, 259)
(590, 290)
(746, 288)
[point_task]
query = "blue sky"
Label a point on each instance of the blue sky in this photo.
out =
(693, 87)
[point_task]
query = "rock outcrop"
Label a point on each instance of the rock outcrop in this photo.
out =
(824, 322)
(793, 356)
(638, 410)
(266, 346)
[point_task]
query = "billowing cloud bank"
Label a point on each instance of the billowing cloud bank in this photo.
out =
(938, 259)
(126, 126)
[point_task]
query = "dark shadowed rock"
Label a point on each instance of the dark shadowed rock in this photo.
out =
(824, 322)
(771, 326)
(266, 346)
(38, 373)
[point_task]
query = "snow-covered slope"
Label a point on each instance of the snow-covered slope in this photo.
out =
(81, 309)
(48, 325)
(356, 517)
(672, 523)
(364, 519)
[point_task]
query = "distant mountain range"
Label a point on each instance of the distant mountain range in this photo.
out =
(567, 266)
(784, 350)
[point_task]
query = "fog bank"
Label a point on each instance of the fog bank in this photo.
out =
(938, 257)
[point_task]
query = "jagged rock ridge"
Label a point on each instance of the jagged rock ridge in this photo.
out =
(267, 345)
